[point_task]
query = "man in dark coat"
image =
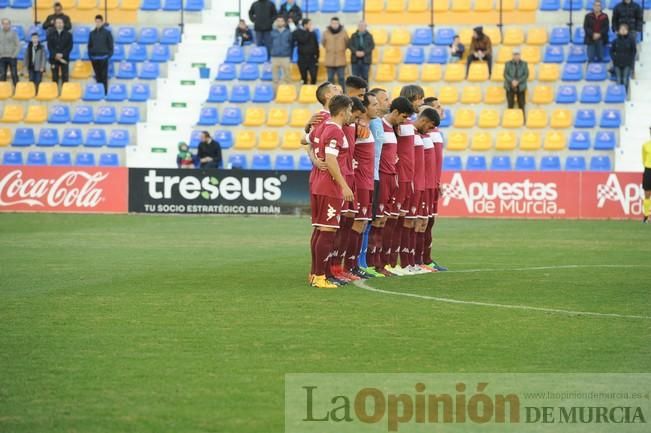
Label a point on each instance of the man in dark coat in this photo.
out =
(263, 14)
(291, 12)
(59, 44)
(623, 51)
(361, 46)
(596, 26)
(48, 24)
(209, 153)
(308, 51)
(100, 51)
(630, 13)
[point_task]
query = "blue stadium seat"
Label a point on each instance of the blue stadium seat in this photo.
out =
(75, 53)
(352, 6)
(566, 94)
(438, 55)
(550, 5)
(218, 93)
(224, 138)
(154, 5)
(149, 71)
(559, 36)
(126, 35)
(126, 71)
(476, 163)
(585, 119)
(195, 136)
(422, 36)
(48, 137)
(226, 71)
(579, 140)
(140, 92)
(21, 4)
(36, 158)
(235, 55)
(240, 94)
(21, 53)
(109, 160)
(12, 158)
(237, 161)
(447, 118)
(284, 162)
(23, 137)
(118, 53)
(573, 5)
(105, 115)
(72, 137)
(119, 138)
(257, 55)
(96, 137)
(615, 94)
(249, 72)
(575, 163)
(263, 93)
(572, 72)
(194, 5)
(554, 54)
(20, 32)
(172, 5)
(444, 36)
(261, 162)
(579, 36)
(610, 119)
(577, 54)
(304, 163)
(550, 163)
(160, 53)
(525, 163)
(170, 36)
(294, 58)
(452, 163)
(330, 6)
(61, 159)
(129, 116)
(591, 94)
(501, 163)
(596, 72)
(231, 116)
(80, 34)
(605, 140)
(83, 114)
(607, 58)
(148, 35)
(415, 55)
(208, 116)
(310, 6)
(600, 163)
(117, 92)
(267, 73)
(137, 53)
(37, 29)
(59, 114)
(93, 92)
(85, 159)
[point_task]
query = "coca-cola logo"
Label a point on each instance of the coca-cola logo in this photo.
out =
(71, 189)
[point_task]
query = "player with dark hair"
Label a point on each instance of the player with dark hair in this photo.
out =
(356, 86)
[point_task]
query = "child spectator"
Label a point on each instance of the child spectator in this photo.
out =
(243, 34)
(35, 60)
(184, 157)
(456, 49)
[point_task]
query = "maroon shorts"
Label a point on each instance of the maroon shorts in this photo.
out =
(434, 207)
(414, 205)
(364, 204)
(388, 190)
(326, 211)
(351, 206)
(403, 196)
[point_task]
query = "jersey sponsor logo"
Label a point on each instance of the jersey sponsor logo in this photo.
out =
(628, 196)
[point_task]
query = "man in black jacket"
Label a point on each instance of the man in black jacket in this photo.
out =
(291, 12)
(59, 44)
(596, 28)
(100, 51)
(630, 13)
(361, 48)
(308, 51)
(623, 51)
(209, 153)
(48, 24)
(263, 13)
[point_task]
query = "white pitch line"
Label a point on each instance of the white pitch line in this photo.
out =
(541, 268)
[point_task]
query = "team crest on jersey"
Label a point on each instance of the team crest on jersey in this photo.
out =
(333, 143)
(364, 210)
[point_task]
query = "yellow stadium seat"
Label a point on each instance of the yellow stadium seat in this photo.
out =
(67, 4)
(286, 93)
(441, 6)
(400, 37)
(5, 136)
(528, 5)
(245, 140)
(110, 4)
(504, 54)
(464, 118)
(25, 91)
(455, 72)
(277, 117)
(130, 5)
(485, 6)
(307, 95)
(294, 73)
(300, 117)
(13, 113)
(478, 72)
(43, 5)
(47, 91)
(495, 95)
(385, 73)
(507, 5)
(81, 70)
(457, 141)
(432, 73)
(550, 72)
(460, 6)
(36, 114)
(408, 73)
(429, 91)
(291, 140)
(530, 141)
(513, 36)
(448, 95)
(471, 95)
(5, 90)
(254, 117)
(542, 95)
(537, 36)
(536, 119)
(87, 4)
(506, 140)
(395, 92)
(481, 141)
(395, 6)
(465, 35)
(489, 119)
(493, 32)
(561, 119)
(269, 140)
(497, 74)
(513, 118)
(531, 55)
(417, 6)
(375, 57)
(380, 36)
(70, 92)
(554, 140)
(392, 55)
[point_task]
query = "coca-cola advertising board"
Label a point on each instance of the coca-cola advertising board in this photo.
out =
(64, 189)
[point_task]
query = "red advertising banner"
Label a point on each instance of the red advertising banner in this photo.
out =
(541, 194)
(64, 189)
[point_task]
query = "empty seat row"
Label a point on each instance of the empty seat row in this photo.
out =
(71, 92)
(286, 93)
(579, 5)
(70, 137)
(61, 159)
(130, 52)
(264, 162)
(458, 6)
(124, 5)
(329, 6)
(527, 163)
(81, 114)
(242, 139)
(122, 35)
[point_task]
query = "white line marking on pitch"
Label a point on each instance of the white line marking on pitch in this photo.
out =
(541, 268)
(362, 285)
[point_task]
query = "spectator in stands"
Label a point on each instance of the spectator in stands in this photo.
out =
(361, 47)
(49, 22)
(623, 51)
(516, 74)
(184, 158)
(35, 60)
(9, 49)
(456, 49)
(630, 13)
(281, 51)
(59, 44)
(243, 34)
(596, 26)
(263, 13)
(210, 153)
(308, 51)
(480, 49)
(335, 42)
(100, 51)
(292, 14)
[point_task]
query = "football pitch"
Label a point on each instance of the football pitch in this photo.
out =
(189, 324)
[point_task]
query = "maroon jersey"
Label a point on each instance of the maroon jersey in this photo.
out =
(405, 165)
(429, 161)
(312, 138)
(349, 131)
(437, 139)
(364, 159)
(389, 154)
(419, 163)
(332, 141)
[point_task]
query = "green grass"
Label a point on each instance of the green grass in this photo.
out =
(188, 324)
